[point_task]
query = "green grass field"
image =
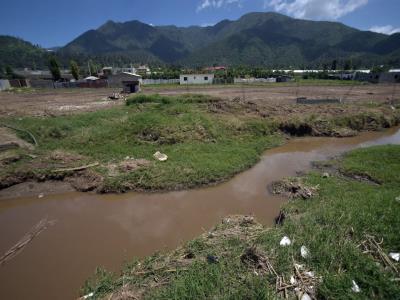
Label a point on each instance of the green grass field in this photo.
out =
(202, 147)
(333, 225)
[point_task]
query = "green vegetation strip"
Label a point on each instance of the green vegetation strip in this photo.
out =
(337, 225)
(202, 147)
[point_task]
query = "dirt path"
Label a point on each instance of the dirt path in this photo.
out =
(63, 101)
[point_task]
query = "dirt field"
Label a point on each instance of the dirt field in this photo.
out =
(58, 102)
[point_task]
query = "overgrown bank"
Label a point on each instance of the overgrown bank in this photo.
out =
(340, 240)
(207, 140)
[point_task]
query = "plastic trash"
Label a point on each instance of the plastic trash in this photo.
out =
(394, 256)
(212, 259)
(285, 241)
(305, 296)
(160, 156)
(88, 296)
(293, 281)
(309, 274)
(304, 252)
(41, 195)
(355, 288)
(325, 175)
(299, 266)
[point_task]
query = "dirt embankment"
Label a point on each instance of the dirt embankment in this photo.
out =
(335, 120)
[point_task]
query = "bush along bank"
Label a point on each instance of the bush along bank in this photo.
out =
(206, 140)
(340, 241)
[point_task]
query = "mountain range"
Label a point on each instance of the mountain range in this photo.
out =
(256, 39)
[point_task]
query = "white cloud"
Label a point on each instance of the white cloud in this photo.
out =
(388, 29)
(315, 9)
(217, 4)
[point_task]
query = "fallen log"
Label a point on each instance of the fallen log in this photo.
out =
(25, 240)
(76, 168)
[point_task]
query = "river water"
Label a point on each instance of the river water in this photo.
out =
(106, 230)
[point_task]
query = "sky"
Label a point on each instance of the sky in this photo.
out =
(52, 23)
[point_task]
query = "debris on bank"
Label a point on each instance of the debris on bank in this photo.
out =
(355, 288)
(294, 188)
(372, 246)
(160, 156)
(129, 164)
(285, 241)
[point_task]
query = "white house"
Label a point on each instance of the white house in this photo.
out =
(196, 79)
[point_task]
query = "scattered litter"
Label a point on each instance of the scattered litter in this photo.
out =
(355, 288)
(226, 220)
(88, 296)
(160, 156)
(304, 252)
(325, 175)
(309, 274)
(41, 195)
(300, 267)
(212, 259)
(115, 96)
(392, 107)
(302, 283)
(285, 241)
(372, 246)
(305, 297)
(394, 256)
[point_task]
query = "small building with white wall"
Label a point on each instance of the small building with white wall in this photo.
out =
(196, 79)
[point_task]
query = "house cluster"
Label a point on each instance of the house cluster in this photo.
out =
(130, 79)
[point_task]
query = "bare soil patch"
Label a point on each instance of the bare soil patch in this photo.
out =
(67, 101)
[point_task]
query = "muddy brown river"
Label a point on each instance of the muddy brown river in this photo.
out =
(106, 230)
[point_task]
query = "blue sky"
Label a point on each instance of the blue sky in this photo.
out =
(55, 23)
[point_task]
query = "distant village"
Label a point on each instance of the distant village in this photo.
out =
(130, 79)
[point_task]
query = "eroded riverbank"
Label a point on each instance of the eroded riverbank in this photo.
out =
(105, 230)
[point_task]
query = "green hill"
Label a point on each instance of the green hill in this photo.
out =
(256, 39)
(267, 39)
(18, 53)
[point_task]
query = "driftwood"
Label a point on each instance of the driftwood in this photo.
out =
(77, 168)
(373, 247)
(25, 240)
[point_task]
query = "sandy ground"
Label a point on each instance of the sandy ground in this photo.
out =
(63, 101)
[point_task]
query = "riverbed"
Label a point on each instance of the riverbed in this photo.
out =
(106, 230)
